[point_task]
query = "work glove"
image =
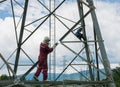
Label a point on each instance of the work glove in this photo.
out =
(55, 45)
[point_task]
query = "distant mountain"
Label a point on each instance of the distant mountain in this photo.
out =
(72, 76)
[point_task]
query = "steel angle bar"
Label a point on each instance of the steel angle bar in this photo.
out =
(28, 56)
(7, 65)
(28, 30)
(64, 18)
(79, 64)
(36, 20)
(13, 14)
(43, 5)
(84, 3)
(21, 36)
(80, 73)
(61, 22)
(23, 76)
(18, 4)
(43, 21)
(2, 1)
(106, 62)
(21, 64)
(64, 24)
(75, 25)
(9, 57)
(93, 65)
(69, 64)
(80, 41)
(81, 13)
(96, 55)
(9, 73)
(84, 59)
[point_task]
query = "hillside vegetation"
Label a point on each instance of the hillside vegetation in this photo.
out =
(116, 76)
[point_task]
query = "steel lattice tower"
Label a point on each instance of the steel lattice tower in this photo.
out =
(51, 18)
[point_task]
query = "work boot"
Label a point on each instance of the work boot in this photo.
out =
(35, 78)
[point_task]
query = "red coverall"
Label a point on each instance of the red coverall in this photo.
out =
(42, 64)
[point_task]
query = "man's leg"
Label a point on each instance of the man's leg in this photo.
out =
(45, 74)
(45, 71)
(38, 70)
(82, 36)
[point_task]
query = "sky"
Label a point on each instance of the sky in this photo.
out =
(108, 14)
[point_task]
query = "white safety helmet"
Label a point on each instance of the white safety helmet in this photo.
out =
(46, 39)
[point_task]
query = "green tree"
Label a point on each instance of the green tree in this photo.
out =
(116, 76)
(4, 77)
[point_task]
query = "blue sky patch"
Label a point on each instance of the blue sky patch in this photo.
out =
(110, 1)
(4, 14)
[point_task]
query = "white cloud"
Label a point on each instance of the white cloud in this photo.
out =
(1, 20)
(7, 41)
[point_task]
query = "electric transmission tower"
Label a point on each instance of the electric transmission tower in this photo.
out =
(61, 26)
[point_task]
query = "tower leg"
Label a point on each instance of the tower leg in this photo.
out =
(106, 62)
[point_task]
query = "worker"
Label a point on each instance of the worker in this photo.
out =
(79, 33)
(42, 59)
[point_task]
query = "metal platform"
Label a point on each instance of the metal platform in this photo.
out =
(54, 83)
